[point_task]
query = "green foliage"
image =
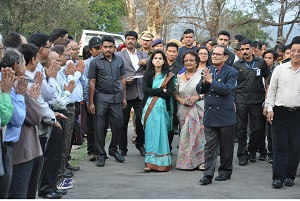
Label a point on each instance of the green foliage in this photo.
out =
(110, 15)
(30, 16)
(253, 31)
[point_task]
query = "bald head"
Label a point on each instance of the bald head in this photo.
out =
(75, 50)
(54, 59)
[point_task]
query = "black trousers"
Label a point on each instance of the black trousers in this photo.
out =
(136, 104)
(90, 132)
(25, 179)
(52, 160)
(286, 143)
(222, 139)
(175, 124)
(5, 180)
(269, 138)
(257, 130)
(107, 113)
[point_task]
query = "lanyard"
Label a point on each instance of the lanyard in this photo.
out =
(249, 66)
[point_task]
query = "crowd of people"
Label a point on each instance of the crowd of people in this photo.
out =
(210, 93)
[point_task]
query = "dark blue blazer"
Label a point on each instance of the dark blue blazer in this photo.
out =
(218, 97)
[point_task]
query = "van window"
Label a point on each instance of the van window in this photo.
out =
(88, 36)
(118, 39)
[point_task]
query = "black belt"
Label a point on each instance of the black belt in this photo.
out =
(56, 110)
(10, 144)
(290, 109)
(71, 105)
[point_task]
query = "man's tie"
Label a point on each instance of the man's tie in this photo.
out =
(215, 73)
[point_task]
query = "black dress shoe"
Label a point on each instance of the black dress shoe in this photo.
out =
(243, 162)
(262, 157)
(61, 191)
(123, 153)
(52, 195)
(68, 174)
(142, 150)
(72, 168)
(118, 157)
(100, 162)
(277, 183)
(252, 157)
(288, 182)
(221, 178)
(206, 180)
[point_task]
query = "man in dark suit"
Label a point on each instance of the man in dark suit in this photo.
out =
(218, 83)
(135, 65)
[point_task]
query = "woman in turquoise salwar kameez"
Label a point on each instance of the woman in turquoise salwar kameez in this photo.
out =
(158, 87)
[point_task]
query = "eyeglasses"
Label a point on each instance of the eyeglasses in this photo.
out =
(295, 51)
(189, 61)
(217, 54)
(202, 53)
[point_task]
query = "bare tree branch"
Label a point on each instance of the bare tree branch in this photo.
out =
(296, 20)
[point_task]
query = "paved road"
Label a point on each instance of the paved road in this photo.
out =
(128, 181)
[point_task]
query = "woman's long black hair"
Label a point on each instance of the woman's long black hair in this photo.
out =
(151, 68)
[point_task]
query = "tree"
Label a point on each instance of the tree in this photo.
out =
(30, 16)
(154, 12)
(110, 15)
(264, 13)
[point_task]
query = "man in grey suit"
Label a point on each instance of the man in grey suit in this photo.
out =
(135, 65)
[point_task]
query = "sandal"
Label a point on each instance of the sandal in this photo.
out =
(146, 169)
(202, 167)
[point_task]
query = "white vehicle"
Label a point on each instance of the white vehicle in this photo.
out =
(88, 34)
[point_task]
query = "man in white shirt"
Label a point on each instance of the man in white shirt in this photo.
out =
(283, 105)
(135, 65)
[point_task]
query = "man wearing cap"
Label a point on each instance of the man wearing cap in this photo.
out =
(158, 44)
(147, 38)
(94, 49)
(135, 66)
(280, 40)
(283, 105)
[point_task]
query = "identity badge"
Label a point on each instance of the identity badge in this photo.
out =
(258, 72)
